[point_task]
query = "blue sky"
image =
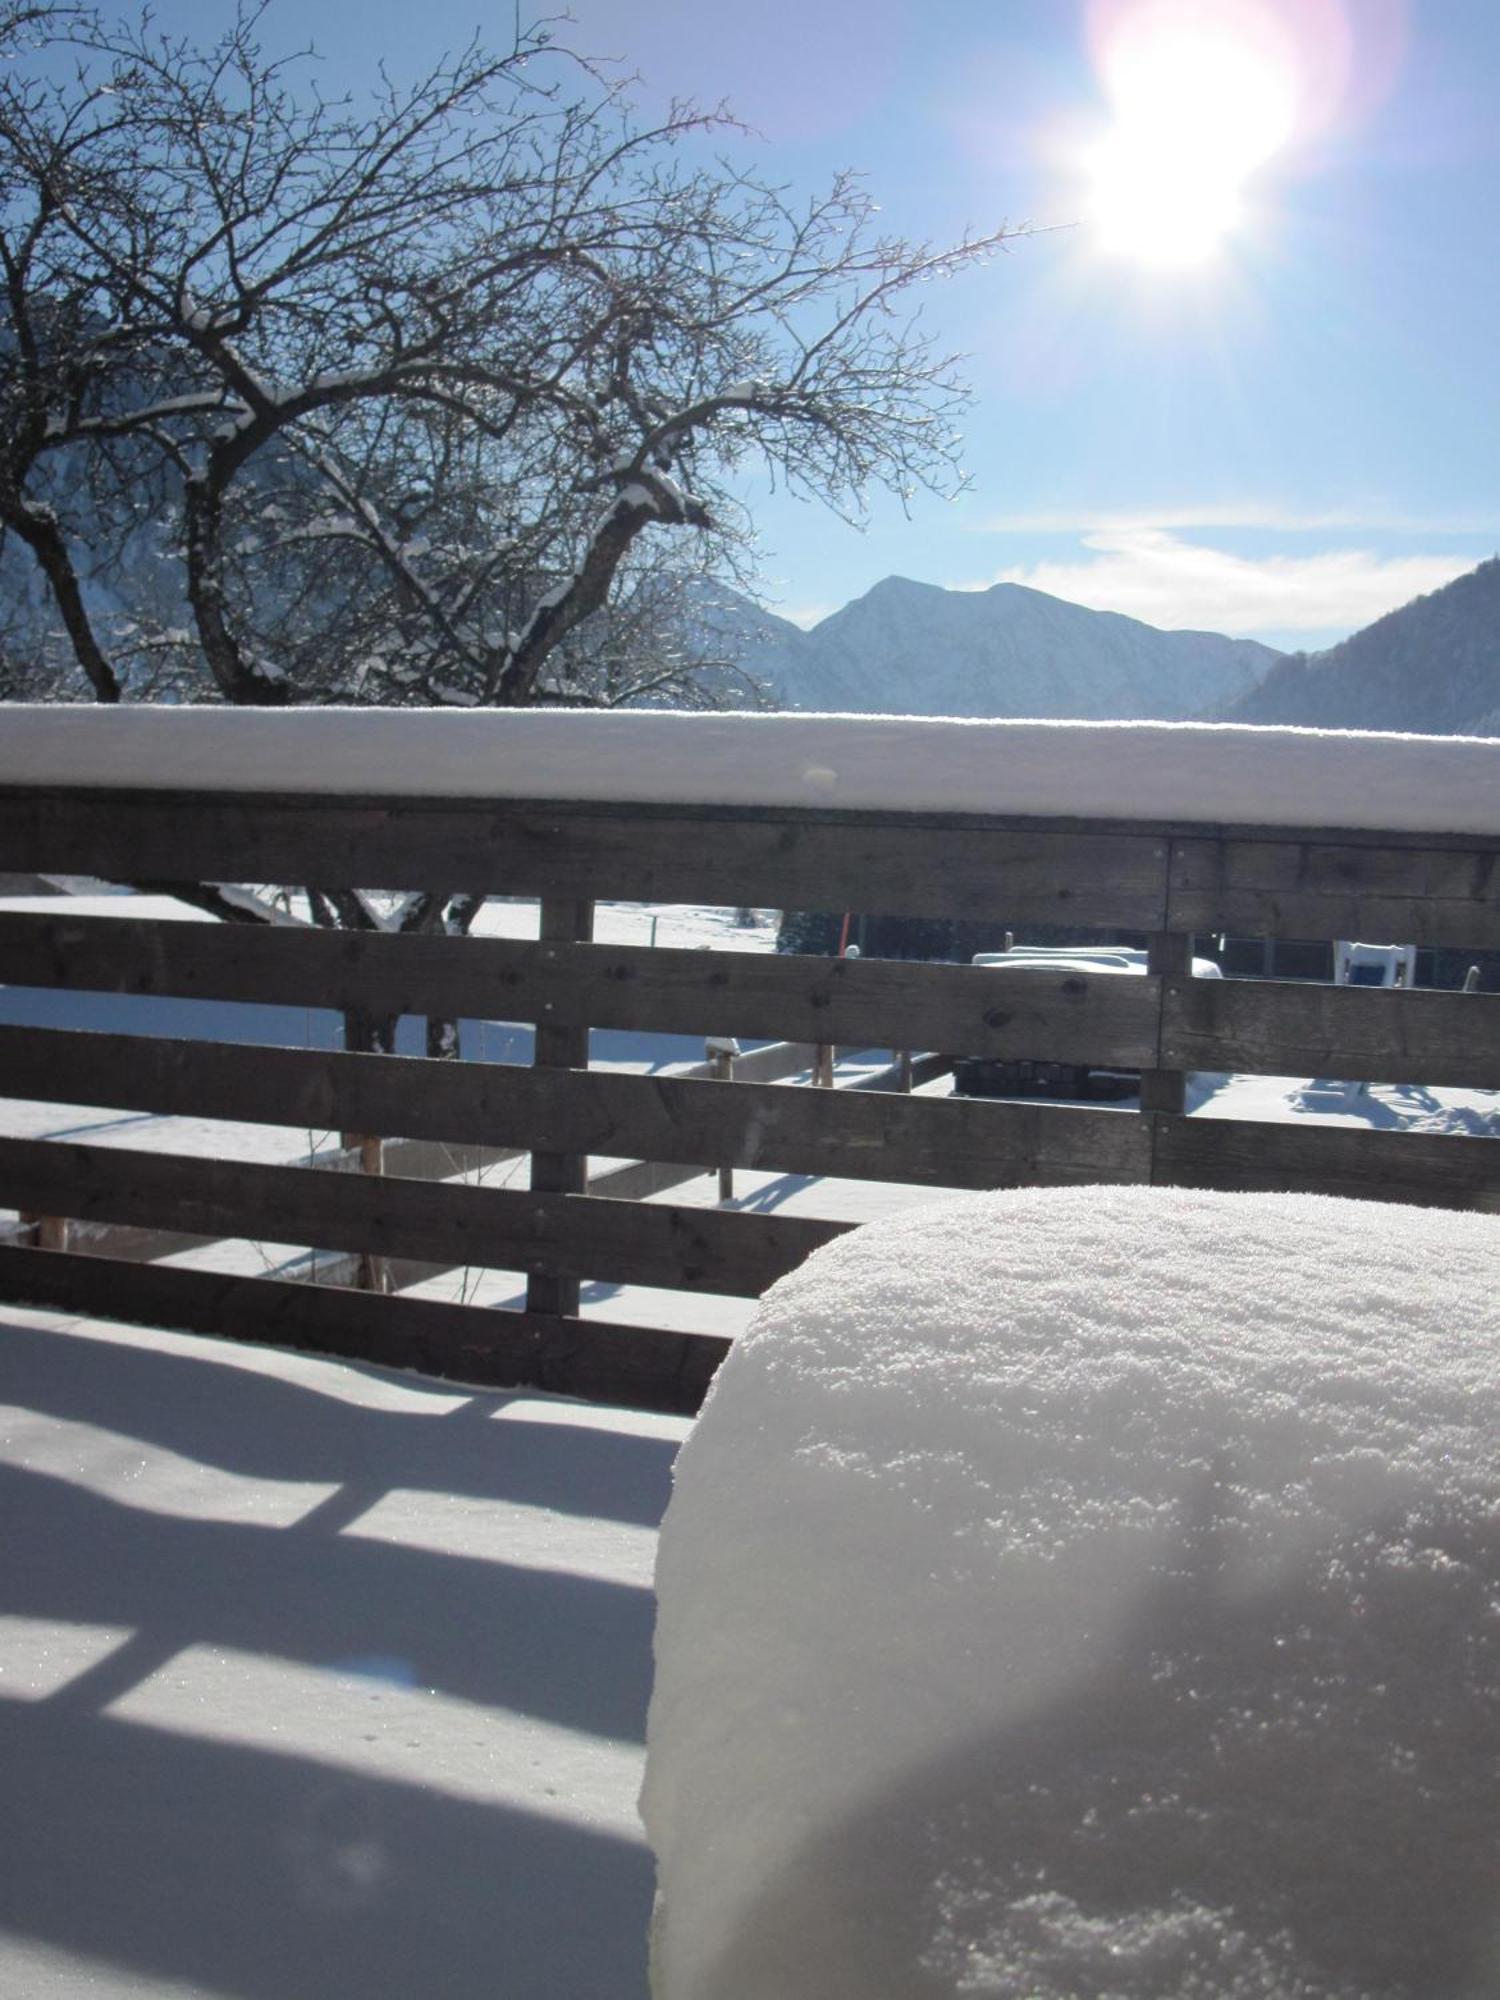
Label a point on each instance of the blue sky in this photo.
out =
(1284, 435)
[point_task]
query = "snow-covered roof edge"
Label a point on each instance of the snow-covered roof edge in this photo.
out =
(1218, 774)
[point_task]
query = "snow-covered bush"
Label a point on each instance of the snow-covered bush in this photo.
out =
(1092, 1593)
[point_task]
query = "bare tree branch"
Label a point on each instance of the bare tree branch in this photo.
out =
(417, 386)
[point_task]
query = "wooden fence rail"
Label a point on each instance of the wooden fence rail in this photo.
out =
(573, 1224)
(1271, 1028)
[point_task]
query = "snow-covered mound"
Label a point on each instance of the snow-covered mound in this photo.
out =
(1110, 770)
(1092, 1595)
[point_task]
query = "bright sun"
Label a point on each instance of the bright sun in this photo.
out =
(1202, 97)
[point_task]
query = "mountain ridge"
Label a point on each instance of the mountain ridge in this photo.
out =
(1009, 651)
(1430, 668)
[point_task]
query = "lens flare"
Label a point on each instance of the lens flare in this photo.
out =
(1202, 95)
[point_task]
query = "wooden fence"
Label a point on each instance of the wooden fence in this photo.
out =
(1171, 882)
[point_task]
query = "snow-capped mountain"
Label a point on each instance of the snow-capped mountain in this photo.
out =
(913, 649)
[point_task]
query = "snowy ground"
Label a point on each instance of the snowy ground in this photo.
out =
(316, 1682)
(1381, 1107)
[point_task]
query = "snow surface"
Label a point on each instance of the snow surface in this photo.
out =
(1215, 774)
(316, 1682)
(1091, 1595)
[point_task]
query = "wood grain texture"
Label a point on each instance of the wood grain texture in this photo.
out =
(860, 1134)
(498, 1229)
(1237, 1154)
(1169, 954)
(636, 1367)
(555, 1167)
(1364, 1034)
(790, 860)
(857, 1003)
(1328, 887)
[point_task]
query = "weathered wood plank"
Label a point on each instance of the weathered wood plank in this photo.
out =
(420, 1159)
(1432, 1171)
(842, 861)
(1290, 1028)
(1329, 888)
(634, 1366)
(1163, 1086)
(881, 1135)
(556, 1168)
(636, 1180)
(857, 1003)
(692, 1249)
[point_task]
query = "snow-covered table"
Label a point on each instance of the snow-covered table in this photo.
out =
(1092, 1593)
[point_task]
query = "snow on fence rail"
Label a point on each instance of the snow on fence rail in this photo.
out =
(1170, 880)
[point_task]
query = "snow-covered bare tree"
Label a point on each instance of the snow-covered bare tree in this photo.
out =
(443, 396)
(412, 389)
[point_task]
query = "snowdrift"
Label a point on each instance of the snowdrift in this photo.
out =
(1070, 1594)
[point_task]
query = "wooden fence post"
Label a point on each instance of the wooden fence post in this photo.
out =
(53, 1232)
(1169, 956)
(374, 1272)
(721, 1051)
(563, 921)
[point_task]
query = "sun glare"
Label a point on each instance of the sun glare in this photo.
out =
(1202, 97)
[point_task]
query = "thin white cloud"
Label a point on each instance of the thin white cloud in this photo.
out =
(1236, 514)
(1166, 580)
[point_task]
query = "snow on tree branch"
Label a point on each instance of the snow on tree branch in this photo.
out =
(522, 342)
